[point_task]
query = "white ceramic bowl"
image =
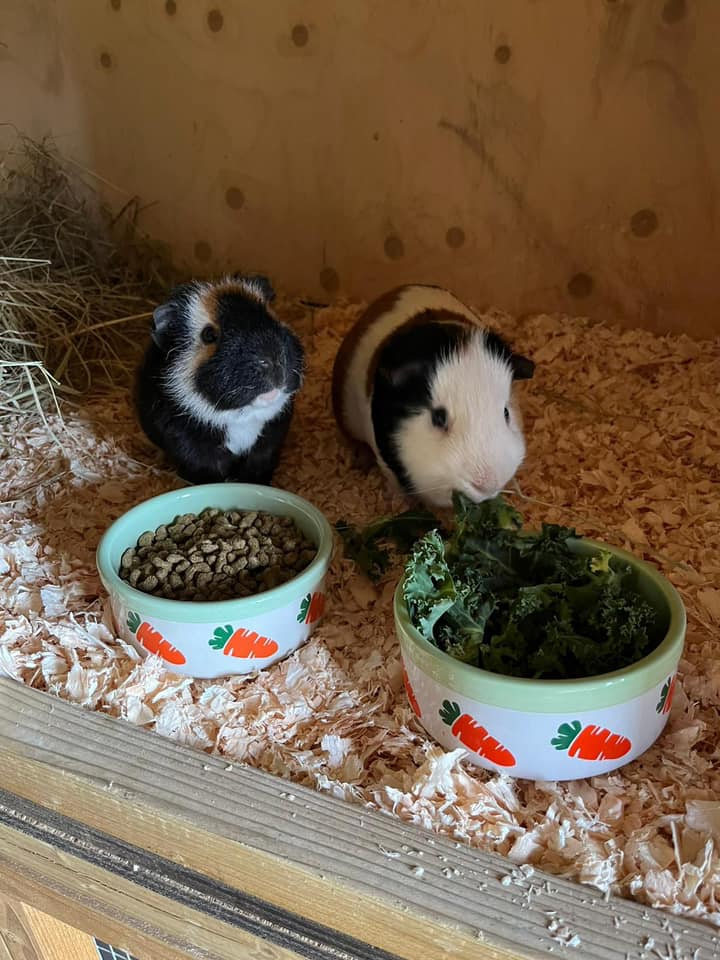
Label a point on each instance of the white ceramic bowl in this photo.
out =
(228, 637)
(548, 729)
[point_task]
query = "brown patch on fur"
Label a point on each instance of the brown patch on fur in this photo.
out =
(207, 304)
(203, 354)
(349, 345)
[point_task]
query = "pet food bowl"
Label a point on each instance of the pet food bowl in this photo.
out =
(214, 639)
(548, 729)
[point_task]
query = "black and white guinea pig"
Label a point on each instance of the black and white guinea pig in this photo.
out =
(215, 390)
(421, 380)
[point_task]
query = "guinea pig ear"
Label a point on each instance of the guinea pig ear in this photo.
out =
(162, 317)
(522, 367)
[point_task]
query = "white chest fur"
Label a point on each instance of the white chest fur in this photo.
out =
(243, 427)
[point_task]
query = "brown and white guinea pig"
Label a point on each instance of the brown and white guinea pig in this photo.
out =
(422, 381)
(215, 390)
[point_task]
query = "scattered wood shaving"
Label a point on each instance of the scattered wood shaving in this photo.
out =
(560, 932)
(624, 440)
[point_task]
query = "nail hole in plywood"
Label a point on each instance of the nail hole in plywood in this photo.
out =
(300, 35)
(105, 60)
(234, 198)
(170, 8)
(203, 251)
(674, 10)
(455, 237)
(580, 286)
(503, 53)
(643, 223)
(215, 20)
(329, 279)
(394, 247)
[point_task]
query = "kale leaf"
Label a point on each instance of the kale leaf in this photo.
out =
(365, 546)
(525, 603)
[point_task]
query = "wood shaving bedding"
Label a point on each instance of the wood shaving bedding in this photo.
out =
(624, 442)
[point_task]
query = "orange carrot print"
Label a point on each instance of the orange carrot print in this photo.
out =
(246, 644)
(474, 736)
(591, 742)
(312, 608)
(153, 640)
(666, 696)
(411, 694)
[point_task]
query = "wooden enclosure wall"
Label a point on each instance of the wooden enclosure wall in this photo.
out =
(534, 154)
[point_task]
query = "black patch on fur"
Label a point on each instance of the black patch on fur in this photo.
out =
(401, 385)
(255, 353)
(232, 377)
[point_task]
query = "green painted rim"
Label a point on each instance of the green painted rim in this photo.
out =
(149, 514)
(558, 696)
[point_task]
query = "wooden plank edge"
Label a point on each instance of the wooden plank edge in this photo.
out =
(147, 924)
(189, 889)
(168, 780)
(208, 892)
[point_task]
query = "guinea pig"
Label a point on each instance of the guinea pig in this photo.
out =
(427, 386)
(215, 390)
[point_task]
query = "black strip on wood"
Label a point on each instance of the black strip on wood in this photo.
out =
(306, 938)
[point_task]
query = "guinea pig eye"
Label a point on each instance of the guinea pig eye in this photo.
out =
(507, 414)
(208, 334)
(439, 418)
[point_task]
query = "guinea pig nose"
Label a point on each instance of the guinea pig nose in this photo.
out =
(268, 397)
(484, 486)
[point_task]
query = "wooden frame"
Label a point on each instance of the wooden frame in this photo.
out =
(168, 852)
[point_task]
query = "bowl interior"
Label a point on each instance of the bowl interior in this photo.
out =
(149, 514)
(547, 696)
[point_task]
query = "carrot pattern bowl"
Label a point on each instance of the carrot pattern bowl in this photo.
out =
(204, 639)
(548, 729)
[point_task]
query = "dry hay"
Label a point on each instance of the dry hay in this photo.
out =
(74, 284)
(623, 440)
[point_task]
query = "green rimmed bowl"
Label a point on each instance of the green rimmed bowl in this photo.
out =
(548, 729)
(215, 639)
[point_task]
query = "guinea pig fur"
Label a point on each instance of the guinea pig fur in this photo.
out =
(423, 382)
(215, 390)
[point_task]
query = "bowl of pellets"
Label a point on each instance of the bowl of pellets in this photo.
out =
(217, 579)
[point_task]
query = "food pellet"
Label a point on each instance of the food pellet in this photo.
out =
(217, 555)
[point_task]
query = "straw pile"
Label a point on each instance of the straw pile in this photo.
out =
(75, 283)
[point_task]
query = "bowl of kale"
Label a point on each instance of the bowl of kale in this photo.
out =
(541, 653)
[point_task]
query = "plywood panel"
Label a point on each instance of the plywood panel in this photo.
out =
(30, 934)
(538, 155)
